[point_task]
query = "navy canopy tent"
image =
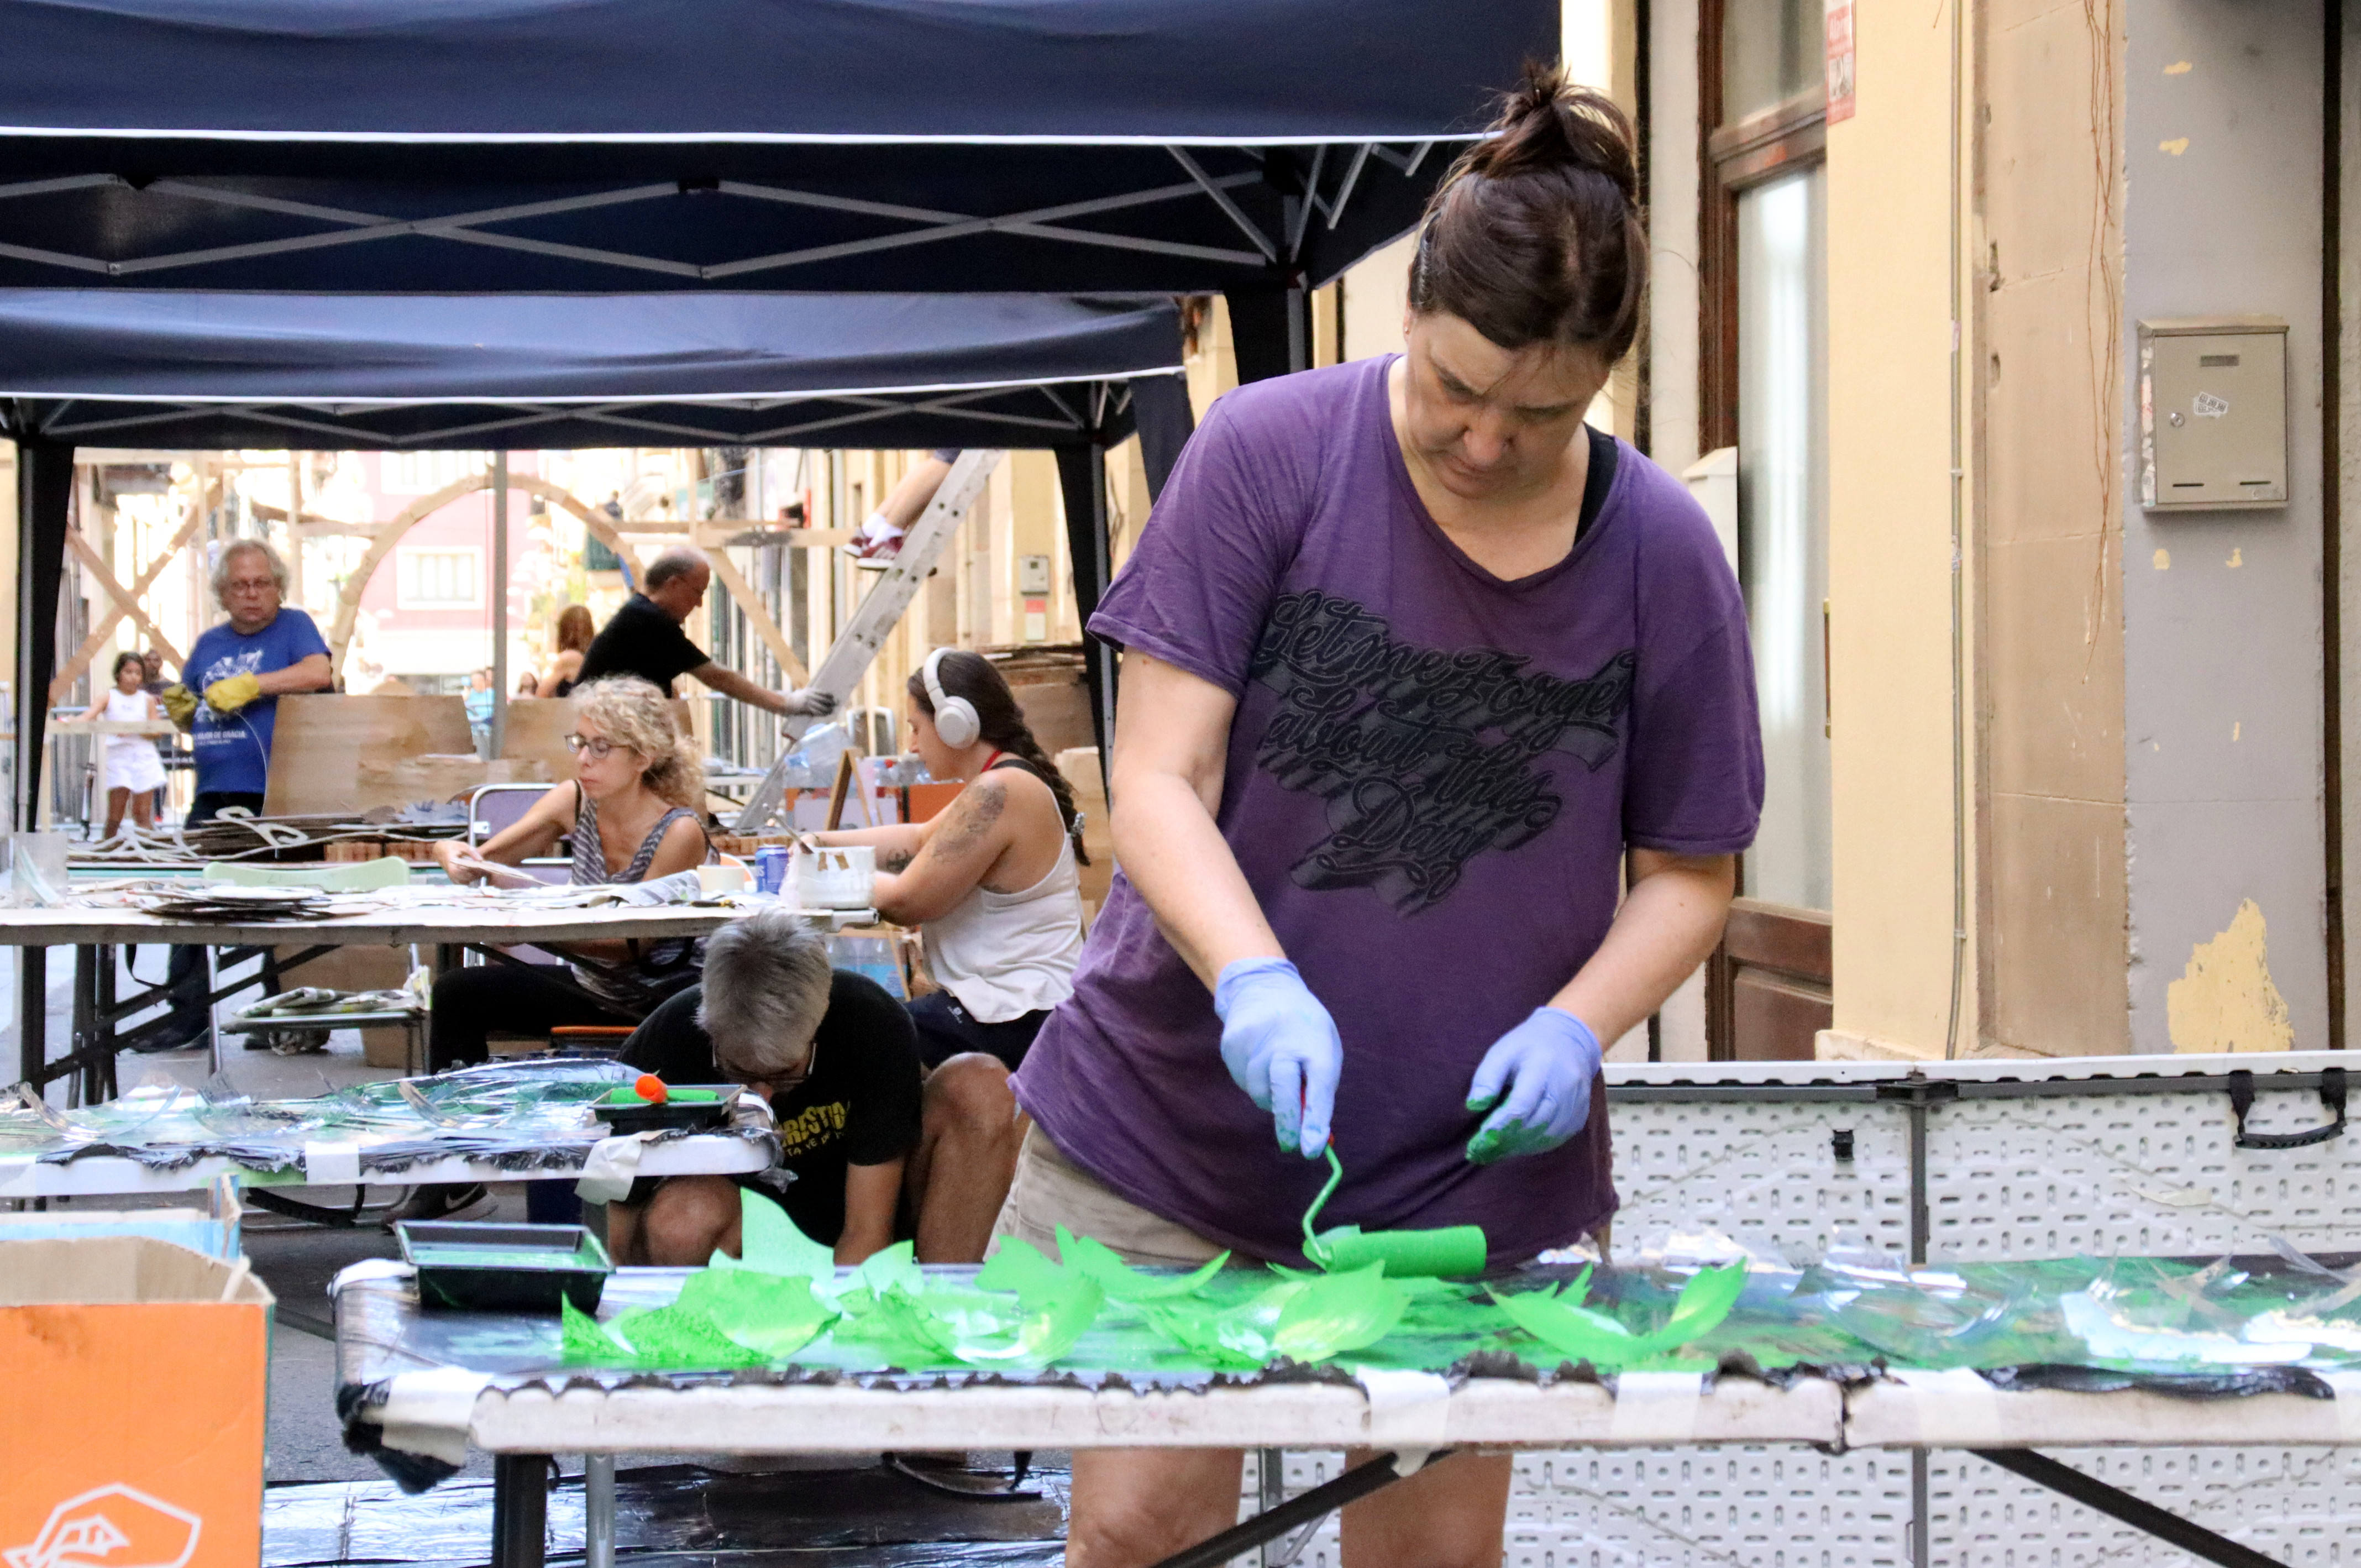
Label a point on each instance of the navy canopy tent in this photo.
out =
(1255, 147)
(323, 372)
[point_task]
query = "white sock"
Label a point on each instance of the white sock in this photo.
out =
(877, 528)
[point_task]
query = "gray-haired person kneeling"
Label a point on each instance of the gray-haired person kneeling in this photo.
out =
(878, 1150)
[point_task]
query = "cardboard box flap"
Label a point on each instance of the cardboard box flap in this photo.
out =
(96, 1269)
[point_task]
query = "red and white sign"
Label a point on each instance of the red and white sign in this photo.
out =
(1839, 42)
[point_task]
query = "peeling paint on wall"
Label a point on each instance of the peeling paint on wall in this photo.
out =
(2225, 1000)
(2176, 147)
(2164, 560)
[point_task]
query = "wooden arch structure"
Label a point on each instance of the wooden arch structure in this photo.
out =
(382, 543)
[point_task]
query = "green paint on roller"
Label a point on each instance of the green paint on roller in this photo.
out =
(1456, 1250)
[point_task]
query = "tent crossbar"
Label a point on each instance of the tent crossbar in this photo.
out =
(1035, 223)
(468, 227)
(1336, 209)
(1221, 198)
(62, 182)
(1301, 219)
(947, 405)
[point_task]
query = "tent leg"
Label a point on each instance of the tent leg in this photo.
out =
(1160, 411)
(1081, 474)
(1270, 329)
(44, 499)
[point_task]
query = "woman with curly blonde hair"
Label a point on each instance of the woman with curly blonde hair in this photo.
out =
(633, 812)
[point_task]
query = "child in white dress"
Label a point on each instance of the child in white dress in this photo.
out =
(134, 772)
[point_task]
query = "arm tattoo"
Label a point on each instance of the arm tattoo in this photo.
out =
(986, 809)
(894, 860)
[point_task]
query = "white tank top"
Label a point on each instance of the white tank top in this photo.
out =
(1008, 954)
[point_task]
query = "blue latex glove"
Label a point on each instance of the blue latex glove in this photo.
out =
(1547, 1065)
(1281, 1047)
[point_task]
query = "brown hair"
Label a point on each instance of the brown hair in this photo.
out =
(574, 629)
(999, 721)
(1536, 234)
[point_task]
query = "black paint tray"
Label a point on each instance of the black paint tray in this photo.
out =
(640, 1116)
(470, 1267)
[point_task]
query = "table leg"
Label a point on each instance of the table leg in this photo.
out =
(1270, 1487)
(520, 1509)
(2141, 1515)
(598, 1510)
(1273, 1523)
(85, 1033)
(104, 1028)
(32, 1012)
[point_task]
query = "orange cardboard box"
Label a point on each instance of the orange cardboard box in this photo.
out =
(137, 1372)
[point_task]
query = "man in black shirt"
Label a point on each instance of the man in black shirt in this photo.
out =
(645, 639)
(876, 1149)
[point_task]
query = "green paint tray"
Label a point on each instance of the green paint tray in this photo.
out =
(1453, 1252)
(696, 1107)
(471, 1267)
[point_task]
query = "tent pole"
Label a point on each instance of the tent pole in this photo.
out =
(1081, 474)
(1270, 327)
(500, 601)
(45, 476)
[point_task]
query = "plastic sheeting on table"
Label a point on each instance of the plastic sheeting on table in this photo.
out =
(526, 1115)
(858, 1518)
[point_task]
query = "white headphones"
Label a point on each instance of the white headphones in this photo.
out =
(955, 718)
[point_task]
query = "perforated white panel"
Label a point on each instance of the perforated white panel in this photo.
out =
(2132, 1174)
(1763, 1173)
(2157, 1174)
(2301, 1506)
(2103, 1171)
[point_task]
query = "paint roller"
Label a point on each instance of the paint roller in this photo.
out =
(1454, 1251)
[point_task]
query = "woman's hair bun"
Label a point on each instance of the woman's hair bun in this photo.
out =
(1548, 123)
(1536, 234)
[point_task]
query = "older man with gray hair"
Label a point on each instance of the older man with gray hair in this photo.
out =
(872, 1149)
(233, 681)
(645, 639)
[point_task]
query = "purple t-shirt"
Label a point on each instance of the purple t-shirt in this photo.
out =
(1432, 778)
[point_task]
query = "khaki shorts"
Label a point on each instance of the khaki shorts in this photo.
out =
(1050, 1191)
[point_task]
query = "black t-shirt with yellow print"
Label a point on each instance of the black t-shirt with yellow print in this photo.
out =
(859, 1107)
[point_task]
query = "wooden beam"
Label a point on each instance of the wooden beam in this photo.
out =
(104, 629)
(758, 616)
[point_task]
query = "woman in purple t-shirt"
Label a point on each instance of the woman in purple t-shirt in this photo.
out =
(1421, 672)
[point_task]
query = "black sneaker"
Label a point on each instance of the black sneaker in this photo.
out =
(439, 1200)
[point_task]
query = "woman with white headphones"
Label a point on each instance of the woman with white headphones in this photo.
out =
(990, 879)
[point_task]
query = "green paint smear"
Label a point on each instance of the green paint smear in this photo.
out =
(1560, 1320)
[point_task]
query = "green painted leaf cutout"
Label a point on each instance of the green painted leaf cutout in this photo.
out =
(773, 1315)
(1022, 1268)
(1583, 1335)
(1343, 1312)
(771, 1243)
(1120, 1280)
(684, 1339)
(1046, 1335)
(896, 1267)
(584, 1343)
(903, 1331)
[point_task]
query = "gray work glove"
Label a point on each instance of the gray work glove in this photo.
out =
(811, 703)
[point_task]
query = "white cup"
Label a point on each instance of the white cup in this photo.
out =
(721, 879)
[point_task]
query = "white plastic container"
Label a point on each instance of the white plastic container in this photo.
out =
(836, 878)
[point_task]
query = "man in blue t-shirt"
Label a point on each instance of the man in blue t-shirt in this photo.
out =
(229, 701)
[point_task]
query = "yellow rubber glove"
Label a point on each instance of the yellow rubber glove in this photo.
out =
(179, 704)
(229, 695)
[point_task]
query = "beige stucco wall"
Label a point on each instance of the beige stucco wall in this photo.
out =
(1889, 552)
(2055, 947)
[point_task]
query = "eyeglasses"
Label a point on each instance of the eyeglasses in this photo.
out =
(249, 584)
(773, 1084)
(598, 747)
